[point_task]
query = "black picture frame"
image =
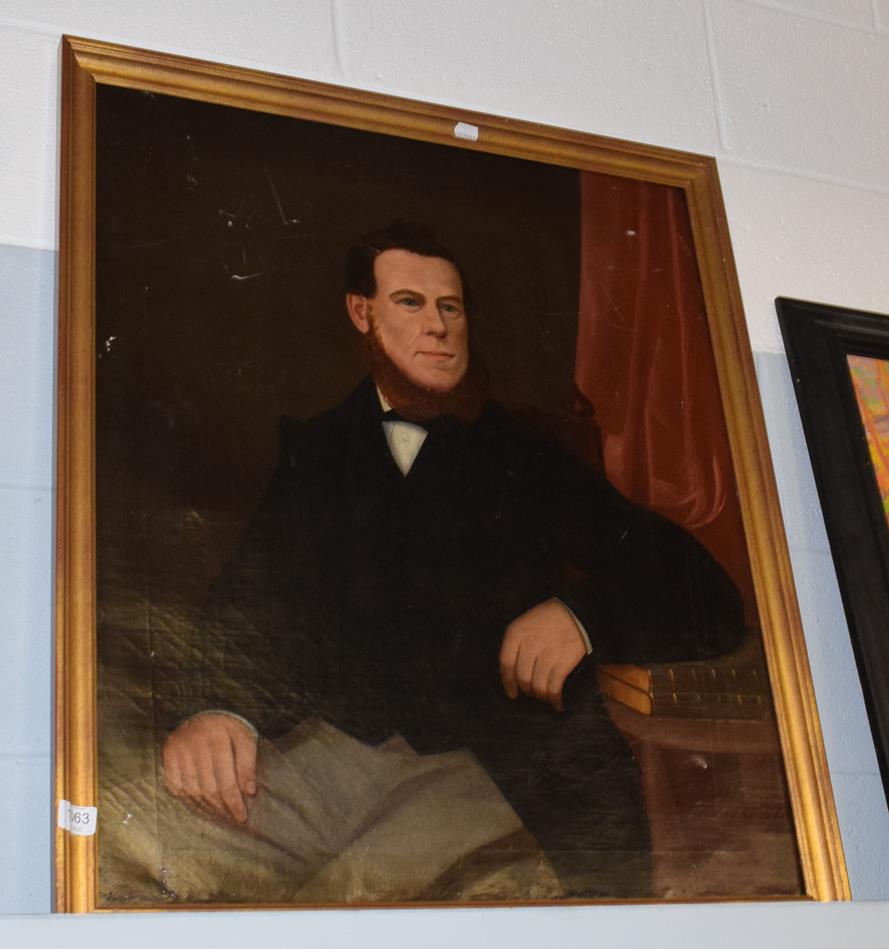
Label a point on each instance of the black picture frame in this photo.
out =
(819, 339)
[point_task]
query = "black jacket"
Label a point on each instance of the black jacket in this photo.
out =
(379, 602)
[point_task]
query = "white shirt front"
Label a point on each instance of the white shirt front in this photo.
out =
(405, 439)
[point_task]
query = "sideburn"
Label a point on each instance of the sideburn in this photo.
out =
(416, 403)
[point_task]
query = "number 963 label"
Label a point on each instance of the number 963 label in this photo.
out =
(78, 820)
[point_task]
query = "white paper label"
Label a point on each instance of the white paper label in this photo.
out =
(467, 131)
(79, 820)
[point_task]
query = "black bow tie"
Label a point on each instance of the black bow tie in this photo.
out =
(441, 425)
(392, 416)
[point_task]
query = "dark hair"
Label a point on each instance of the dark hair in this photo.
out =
(399, 235)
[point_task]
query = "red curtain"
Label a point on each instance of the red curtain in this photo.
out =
(645, 362)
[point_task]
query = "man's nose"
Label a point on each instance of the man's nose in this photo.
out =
(433, 322)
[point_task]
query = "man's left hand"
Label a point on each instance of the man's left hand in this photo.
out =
(540, 650)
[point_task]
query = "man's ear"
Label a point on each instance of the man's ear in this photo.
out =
(358, 305)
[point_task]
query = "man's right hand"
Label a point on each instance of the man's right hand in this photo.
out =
(210, 761)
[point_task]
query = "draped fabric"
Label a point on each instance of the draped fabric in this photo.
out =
(645, 362)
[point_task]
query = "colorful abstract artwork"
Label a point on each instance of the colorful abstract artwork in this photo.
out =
(870, 379)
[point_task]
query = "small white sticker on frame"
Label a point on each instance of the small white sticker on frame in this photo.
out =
(78, 820)
(466, 131)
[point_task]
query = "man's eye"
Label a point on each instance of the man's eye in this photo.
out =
(450, 309)
(409, 301)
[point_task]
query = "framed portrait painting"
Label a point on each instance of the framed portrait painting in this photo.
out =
(839, 361)
(417, 537)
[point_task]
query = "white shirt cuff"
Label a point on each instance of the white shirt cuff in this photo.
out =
(240, 718)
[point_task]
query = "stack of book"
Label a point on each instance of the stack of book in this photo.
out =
(735, 686)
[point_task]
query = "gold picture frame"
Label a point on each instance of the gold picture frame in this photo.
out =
(91, 72)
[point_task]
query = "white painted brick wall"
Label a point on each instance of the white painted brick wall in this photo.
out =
(802, 94)
(851, 12)
(804, 237)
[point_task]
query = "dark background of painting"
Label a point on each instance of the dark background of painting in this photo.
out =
(220, 240)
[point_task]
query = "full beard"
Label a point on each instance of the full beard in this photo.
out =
(418, 403)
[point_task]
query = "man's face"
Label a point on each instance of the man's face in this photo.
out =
(418, 317)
